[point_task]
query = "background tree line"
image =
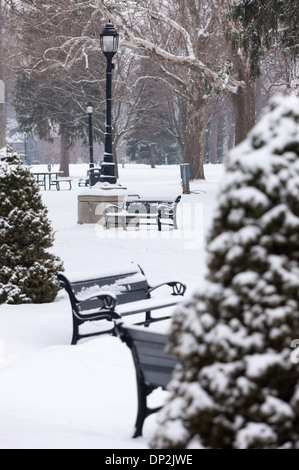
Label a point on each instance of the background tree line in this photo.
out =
(190, 79)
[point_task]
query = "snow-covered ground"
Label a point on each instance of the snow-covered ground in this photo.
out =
(56, 396)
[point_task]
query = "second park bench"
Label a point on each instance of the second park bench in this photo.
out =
(115, 295)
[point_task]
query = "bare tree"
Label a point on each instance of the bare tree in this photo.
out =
(177, 37)
(184, 34)
(158, 122)
(52, 99)
(200, 47)
(2, 86)
(177, 48)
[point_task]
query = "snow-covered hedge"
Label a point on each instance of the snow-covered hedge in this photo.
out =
(28, 272)
(237, 386)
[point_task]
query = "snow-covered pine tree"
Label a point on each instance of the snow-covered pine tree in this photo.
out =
(27, 270)
(237, 386)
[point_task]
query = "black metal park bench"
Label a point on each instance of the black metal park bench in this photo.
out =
(140, 210)
(154, 367)
(97, 171)
(113, 296)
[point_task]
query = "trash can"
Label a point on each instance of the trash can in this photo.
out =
(94, 175)
(185, 175)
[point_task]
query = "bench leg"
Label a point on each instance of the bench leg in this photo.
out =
(148, 318)
(143, 410)
(159, 222)
(142, 414)
(117, 222)
(174, 220)
(58, 185)
(175, 223)
(76, 332)
(76, 335)
(42, 182)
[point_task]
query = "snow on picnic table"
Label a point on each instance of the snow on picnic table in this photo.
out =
(53, 395)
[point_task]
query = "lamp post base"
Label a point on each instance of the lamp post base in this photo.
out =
(108, 179)
(108, 172)
(92, 202)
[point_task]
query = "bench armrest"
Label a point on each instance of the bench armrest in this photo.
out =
(112, 208)
(178, 288)
(167, 205)
(122, 333)
(166, 209)
(109, 300)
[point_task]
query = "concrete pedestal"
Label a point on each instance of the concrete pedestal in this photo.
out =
(91, 206)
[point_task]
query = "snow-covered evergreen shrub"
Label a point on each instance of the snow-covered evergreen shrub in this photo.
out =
(237, 386)
(28, 272)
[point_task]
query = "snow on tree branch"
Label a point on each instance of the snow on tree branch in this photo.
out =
(119, 14)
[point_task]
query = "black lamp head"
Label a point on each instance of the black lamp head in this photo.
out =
(109, 40)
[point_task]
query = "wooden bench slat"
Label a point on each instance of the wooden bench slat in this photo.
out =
(157, 378)
(139, 334)
(131, 278)
(165, 364)
(154, 303)
(138, 215)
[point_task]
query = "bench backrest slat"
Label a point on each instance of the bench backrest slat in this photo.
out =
(149, 205)
(127, 288)
(148, 350)
(153, 200)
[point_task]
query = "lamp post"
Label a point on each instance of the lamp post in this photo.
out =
(109, 45)
(89, 110)
(25, 148)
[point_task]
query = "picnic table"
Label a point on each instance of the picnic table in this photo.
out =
(42, 176)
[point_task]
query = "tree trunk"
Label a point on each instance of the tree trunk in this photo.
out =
(64, 153)
(2, 119)
(213, 140)
(231, 131)
(195, 135)
(152, 154)
(259, 104)
(2, 88)
(244, 107)
(220, 140)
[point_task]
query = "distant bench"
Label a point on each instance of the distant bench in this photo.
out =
(56, 182)
(97, 171)
(114, 296)
(136, 209)
(154, 367)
